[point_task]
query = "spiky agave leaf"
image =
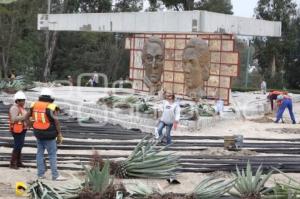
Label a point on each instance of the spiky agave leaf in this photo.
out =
(140, 189)
(247, 185)
(212, 188)
(147, 161)
(290, 189)
(98, 180)
(280, 191)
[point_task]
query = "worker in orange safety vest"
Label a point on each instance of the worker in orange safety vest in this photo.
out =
(47, 131)
(18, 128)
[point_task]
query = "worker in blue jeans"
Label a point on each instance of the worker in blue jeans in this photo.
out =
(284, 102)
(170, 117)
(46, 129)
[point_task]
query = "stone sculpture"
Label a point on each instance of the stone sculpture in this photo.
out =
(196, 66)
(153, 62)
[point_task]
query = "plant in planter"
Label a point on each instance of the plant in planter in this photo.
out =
(99, 184)
(209, 188)
(248, 186)
(145, 161)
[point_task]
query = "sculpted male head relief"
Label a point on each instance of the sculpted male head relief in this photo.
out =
(196, 65)
(153, 62)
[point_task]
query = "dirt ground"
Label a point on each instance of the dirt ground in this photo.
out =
(263, 128)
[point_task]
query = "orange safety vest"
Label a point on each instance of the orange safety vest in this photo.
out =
(16, 127)
(41, 120)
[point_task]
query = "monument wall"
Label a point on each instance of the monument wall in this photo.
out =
(224, 63)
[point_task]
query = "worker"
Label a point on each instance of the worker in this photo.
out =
(170, 117)
(47, 131)
(18, 128)
(273, 96)
(285, 101)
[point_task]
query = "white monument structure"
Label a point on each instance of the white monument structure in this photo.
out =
(174, 29)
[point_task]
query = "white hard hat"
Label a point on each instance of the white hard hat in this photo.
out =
(19, 96)
(47, 91)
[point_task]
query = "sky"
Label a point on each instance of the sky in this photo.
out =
(245, 8)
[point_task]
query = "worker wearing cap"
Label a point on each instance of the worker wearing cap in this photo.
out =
(46, 128)
(18, 128)
(284, 101)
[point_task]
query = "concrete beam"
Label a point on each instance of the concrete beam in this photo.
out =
(160, 22)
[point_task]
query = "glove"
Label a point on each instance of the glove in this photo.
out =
(59, 139)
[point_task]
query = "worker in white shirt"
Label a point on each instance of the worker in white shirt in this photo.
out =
(170, 117)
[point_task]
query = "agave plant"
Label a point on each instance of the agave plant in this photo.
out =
(99, 184)
(145, 161)
(249, 186)
(211, 188)
(193, 112)
(145, 108)
(141, 190)
(98, 180)
(109, 101)
(41, 189)
(284, 190)
(20, 83)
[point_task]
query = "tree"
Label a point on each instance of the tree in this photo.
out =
(88, 6)
(7, 1)
(274, 54)
(17, 24)
(128, 5)
(221, 6)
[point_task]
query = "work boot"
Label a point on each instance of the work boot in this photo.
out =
(14, 160)
(19, 159)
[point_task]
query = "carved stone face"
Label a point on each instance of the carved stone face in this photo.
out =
(153, 59)
(195, 61)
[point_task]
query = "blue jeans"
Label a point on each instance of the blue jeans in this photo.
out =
(287, 103)
(161, 125)
(50, 146)
(19, 140)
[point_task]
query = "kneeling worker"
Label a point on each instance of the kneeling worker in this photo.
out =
(46, 129)
(284, 101)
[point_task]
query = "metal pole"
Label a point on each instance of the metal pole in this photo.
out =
(49, 7)
(247, 64)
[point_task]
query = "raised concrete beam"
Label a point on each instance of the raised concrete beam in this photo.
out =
(160, 22)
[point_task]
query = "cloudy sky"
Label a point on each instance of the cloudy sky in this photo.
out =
(245, 8)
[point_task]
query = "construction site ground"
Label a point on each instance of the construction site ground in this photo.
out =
(202, 151)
